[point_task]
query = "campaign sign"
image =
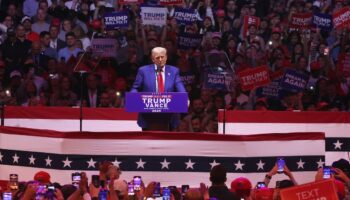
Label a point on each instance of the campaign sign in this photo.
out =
(301, 20)
(341, 18)
(271, 90)
(104, 47)
(187, 40)
(217, 81)
(254, 77)
(153, 16)
(322, 21)
(170, 2)
(188, 78)
(185, 16)
(294, 81)
(130, 1)
(321, 190)
(249, 20)
(344, 64)
(149, 102)
(114, 20)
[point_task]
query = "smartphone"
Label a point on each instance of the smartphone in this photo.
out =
(280, 165)
(166, 193)
(260, 185)
(50, 188)
(326, 172)
(184, 189)
(76, 177)
(137, 183)
(326, 51)
(7, 196)
(14, 181)
(96, 180)
(156, 192)
(278, 183)
(40, 192)
(131, 189)
(102, 195)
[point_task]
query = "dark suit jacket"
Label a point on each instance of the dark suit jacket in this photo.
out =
(146, 82)
(60, 44)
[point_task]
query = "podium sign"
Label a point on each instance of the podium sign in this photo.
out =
(149, 102)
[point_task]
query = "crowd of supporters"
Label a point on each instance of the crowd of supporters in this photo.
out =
(109, 184)
(43, 40)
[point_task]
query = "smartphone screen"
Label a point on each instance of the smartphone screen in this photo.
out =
(260, 185)
(156, 192)
(40, 192)
(326, 172)
(280, 165)
(95, 180)
(14, 181)
(76, 177)
(326, 51)
(166, 193)
(131, 189)
(7, 196)
(102, 195)
(137, 183)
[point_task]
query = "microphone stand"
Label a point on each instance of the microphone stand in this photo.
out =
(81, 73)
(2, 113)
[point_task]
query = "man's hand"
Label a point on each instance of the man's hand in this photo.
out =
(150, 189)
(341, 175)
(58, 194)
(93, 191)
(273, 171)
(204, 190)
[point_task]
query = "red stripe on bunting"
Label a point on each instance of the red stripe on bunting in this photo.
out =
(68, 113)
(157, 135)
(284, 117)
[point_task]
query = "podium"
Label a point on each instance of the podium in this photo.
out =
(157, 110)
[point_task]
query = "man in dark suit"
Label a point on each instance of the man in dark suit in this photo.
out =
(158, 77)
(55, 42)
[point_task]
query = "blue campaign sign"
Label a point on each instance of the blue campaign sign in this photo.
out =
(294, 81)
(322, 21)
(185, 16)
(217, 81)
(271, 90)
(148, 102)
(114, 20)
(187, 40)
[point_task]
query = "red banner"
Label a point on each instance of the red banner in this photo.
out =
(249, 20)
(255, 77)
(130, 1)
(319, 190)
(341, 18)
(344, 64)
(301, 20)
(170, 2)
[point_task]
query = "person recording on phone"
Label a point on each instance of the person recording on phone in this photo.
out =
(279, 168)
(158, 77)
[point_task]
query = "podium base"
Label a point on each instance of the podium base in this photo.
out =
(157, 121)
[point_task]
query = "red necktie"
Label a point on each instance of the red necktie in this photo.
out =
(160, 81)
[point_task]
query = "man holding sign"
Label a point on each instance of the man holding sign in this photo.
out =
(158, 77)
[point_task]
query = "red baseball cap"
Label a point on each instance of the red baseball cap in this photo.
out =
(220, 13)
(276, 30)
(241, 186)
(42, 177)
(315, 65)
(55, 22)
